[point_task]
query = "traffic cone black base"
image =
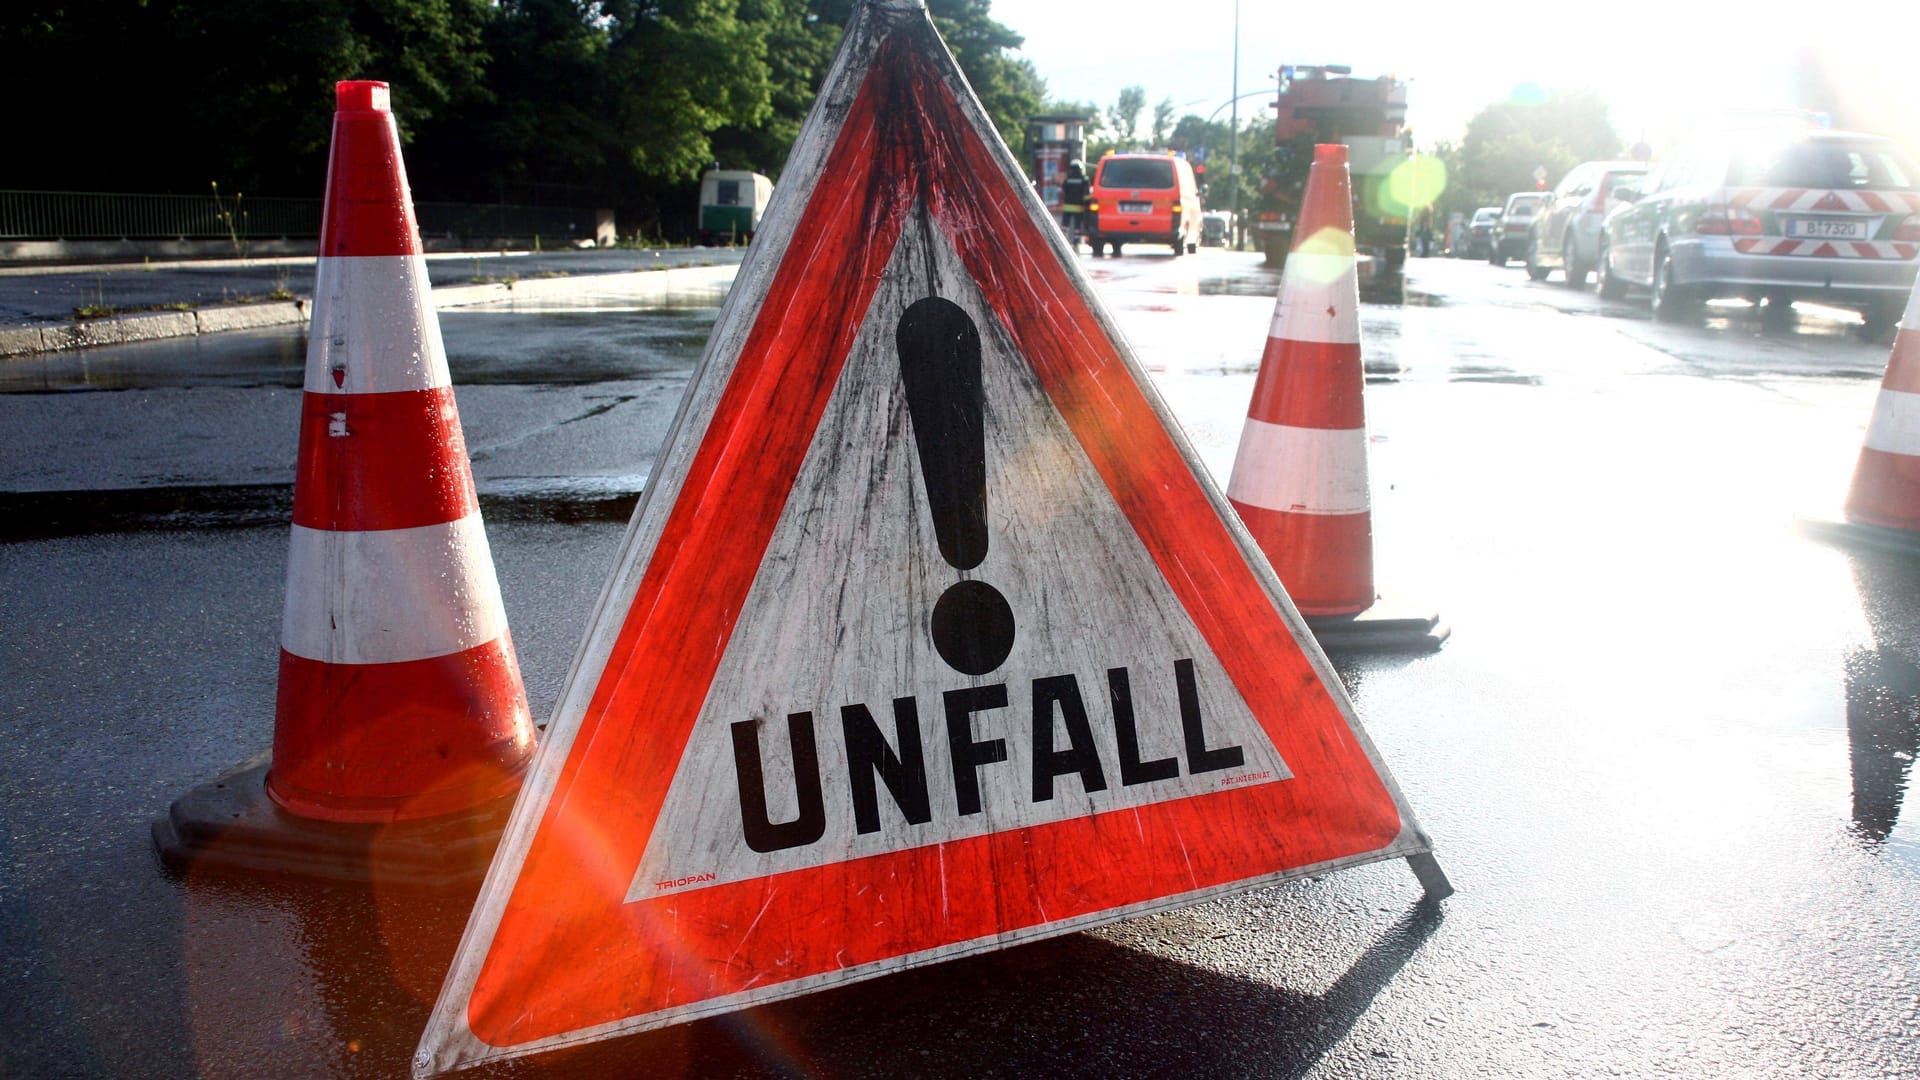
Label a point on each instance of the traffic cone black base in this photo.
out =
(1384, 626)
(230, 825)
(1857, 535)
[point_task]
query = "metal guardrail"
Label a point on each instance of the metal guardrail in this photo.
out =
(80, 215)
(481, 221)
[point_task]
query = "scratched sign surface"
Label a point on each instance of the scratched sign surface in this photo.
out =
(930, 637)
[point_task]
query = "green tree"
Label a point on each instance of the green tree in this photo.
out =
(1162, 121)
(1124, 117)
(614, 102)
(682, 69)
(1258, 155)
(799, 46)
(1192, 133)
(241, 91)
(1506, 141)
(538, 117)
(1009, 88)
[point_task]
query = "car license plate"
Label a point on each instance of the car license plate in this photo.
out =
(1136, 208)
(1830, 228)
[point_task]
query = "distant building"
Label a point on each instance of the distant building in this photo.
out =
(1052, 142)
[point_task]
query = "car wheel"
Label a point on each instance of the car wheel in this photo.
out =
(1535, 271)
(1611, 286)
(1671, 302)
(1881, 322)
(1179, 248)
(1116, 249)
(1577, 269)
(1776, 313)
(1497, 257)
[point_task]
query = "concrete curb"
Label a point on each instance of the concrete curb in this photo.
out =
(21, 340)
(250, 316)
(16, 341)
(118, 330)
(636, 285)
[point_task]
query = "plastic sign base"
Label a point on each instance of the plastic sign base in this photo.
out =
(231, 825)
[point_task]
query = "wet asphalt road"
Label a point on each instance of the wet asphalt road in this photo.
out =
(1664, 756)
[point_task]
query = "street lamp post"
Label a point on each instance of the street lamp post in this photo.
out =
(1233, 152)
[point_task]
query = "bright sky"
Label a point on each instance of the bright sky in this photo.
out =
(1661, 66)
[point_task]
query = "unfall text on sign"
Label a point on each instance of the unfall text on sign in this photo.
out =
(1060, 743)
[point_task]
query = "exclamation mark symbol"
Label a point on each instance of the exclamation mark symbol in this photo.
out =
(940, 366)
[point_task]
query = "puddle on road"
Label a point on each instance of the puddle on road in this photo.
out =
(238, 358)
(484, 348)
(572, 347)
(1497, 376)
(1264, 285)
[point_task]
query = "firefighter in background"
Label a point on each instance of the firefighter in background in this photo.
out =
(1423, 238)
(1073, 204)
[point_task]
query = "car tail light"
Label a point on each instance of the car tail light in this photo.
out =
(1909, 229)
(1727, 221)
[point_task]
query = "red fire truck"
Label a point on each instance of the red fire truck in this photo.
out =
(1325, 104)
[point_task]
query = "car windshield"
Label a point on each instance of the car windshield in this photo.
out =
(1523, 206)
(1822, 164)
(1137, 173)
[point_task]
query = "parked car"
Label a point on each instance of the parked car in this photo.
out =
(1479, 239)
(1150, 198)
(1566, 232)
(1516, 219)
(1831, 216)
(1214, 227)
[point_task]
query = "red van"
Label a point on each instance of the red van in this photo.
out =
(1145, 198)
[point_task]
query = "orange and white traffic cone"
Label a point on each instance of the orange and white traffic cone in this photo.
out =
(1886, 481)
(400, 696)
(1299, 479)
(399, 692)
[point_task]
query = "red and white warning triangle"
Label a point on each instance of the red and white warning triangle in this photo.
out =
(930, 637)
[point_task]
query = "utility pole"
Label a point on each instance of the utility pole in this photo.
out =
(1233, 151)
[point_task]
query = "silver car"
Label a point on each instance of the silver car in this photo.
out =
(1802, 215)
(1566, 234)
(1516, 224)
